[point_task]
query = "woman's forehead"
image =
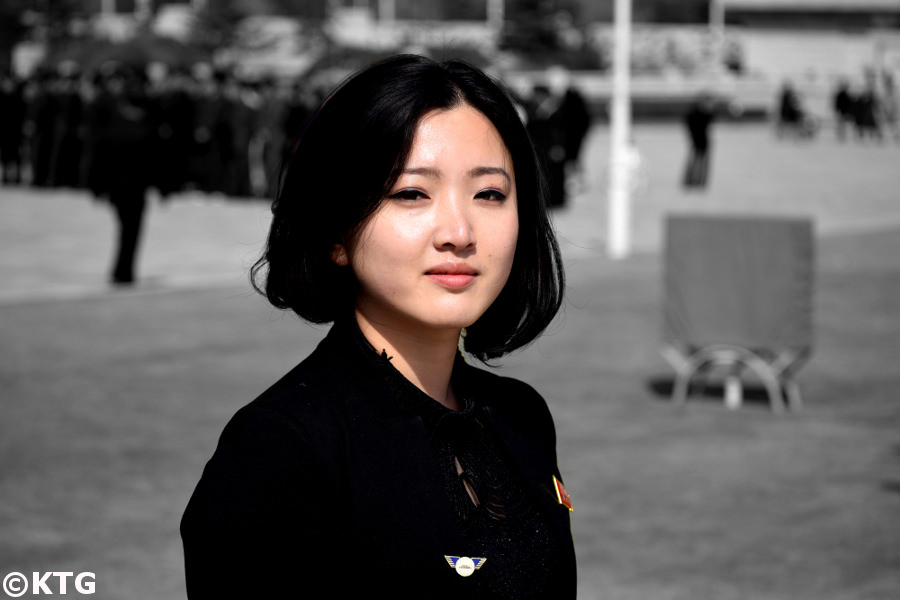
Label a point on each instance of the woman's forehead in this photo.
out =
(463, 134)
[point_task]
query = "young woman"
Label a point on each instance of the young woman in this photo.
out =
(412, 215)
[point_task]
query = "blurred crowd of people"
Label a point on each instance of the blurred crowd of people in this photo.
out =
(205, 130)
(558, 118)
(123, 130)
(198, 129)
(871, 112)
(866, 110)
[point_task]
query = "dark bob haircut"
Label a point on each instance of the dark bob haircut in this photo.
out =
(344, 164)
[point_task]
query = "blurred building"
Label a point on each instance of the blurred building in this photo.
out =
(813, 14)
(744, 48)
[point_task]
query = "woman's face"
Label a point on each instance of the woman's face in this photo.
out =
(439, 249)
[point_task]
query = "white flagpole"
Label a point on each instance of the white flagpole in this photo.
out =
(495, 14)
(717, 33)
(619, 226)
(387, 11)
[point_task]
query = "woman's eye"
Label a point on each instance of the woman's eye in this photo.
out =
(492, 195)
(407, 195)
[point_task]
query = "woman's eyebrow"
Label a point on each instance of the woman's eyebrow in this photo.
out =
(482, 171)
(424, 171)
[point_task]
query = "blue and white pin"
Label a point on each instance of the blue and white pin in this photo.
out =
(464, 565)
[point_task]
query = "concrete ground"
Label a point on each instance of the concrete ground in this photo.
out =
(111, 401)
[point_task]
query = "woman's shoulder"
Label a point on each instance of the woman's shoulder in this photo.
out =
(294, 429)
(311, 399)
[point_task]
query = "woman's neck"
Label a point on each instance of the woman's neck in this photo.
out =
(425, 358)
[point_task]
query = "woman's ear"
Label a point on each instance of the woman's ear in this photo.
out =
(339, 255)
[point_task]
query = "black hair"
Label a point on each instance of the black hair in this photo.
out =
(345, 162)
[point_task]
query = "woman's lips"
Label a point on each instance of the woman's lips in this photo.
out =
(452, 275)
(455, 282)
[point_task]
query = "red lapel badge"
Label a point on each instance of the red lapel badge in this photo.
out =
(562, 495)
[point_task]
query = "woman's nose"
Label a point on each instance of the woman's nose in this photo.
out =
(454, 226)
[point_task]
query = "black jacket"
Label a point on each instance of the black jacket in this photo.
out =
(325, 485)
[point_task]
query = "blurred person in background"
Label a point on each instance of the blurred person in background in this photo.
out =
(123, 141)
(175, 131)
(868, 108)
(240, 110)
(68, 128)
(546, 125)
(793, 118)
(698, 121)
(890, 104)
(558, 121)
(212, 135)
(272, 134)
(412, 216)
(843, 105)
(577, 119)
(12, 127)
(41, 120)
(790, 112)
(301, 103)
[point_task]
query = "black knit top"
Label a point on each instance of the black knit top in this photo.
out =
(344, 480)
(496, 514)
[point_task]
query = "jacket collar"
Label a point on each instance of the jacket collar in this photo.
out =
(391, 393)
